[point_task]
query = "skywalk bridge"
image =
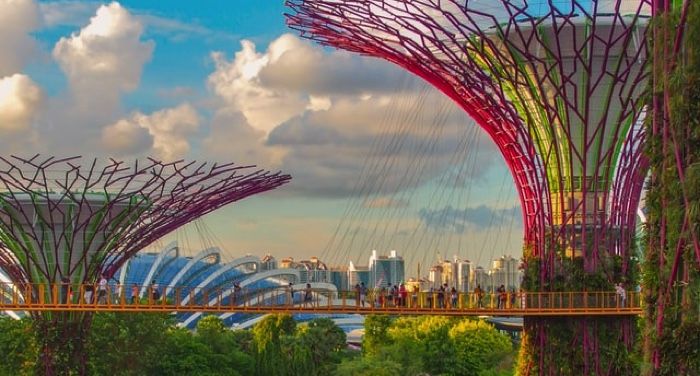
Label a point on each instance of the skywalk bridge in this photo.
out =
(317, 300)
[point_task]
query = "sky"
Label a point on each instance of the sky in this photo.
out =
(378, 159)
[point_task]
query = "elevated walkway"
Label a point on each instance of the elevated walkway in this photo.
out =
(322, 301)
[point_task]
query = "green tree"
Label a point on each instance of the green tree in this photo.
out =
(183, 354)
(267, 334)
(224, 353)
(127, 343)
(369, 366)
(324, 341)
(478, 347)
(376, 334)
(17, 346)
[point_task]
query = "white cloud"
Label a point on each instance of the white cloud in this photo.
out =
(236, 82)
(104, 59)
(316, 114)
(165, 132)
(66, 13)
(18, 18)
(20, 102)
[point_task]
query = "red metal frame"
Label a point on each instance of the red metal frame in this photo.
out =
(474, 56)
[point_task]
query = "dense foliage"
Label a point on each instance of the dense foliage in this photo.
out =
(151, 344)
(612, 337)
(671, 270)
(431, 345)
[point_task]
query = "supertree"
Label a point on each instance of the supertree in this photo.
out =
(71, 220)
(557, 85)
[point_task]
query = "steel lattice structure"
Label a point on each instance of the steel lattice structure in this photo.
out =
(557, 84)
(72, 218)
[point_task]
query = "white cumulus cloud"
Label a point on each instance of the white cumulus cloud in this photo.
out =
(164, 134)
(238, 84)
(18, 18)
(104, 59)
(20, 102)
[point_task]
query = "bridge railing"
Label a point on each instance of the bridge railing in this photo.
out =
(88, 296)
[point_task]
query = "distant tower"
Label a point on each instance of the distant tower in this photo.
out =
(72, 220)
(557, 85)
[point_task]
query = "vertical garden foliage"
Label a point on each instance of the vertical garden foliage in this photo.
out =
(612, 337)
(671, 275)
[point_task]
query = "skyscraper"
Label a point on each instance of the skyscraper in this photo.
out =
(385, 271)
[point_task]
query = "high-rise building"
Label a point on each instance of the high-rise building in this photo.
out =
(339, 277)
(385, 271)
(461, 270)
(505, 271)
(481, 278)
(435, 275)
(357, 274)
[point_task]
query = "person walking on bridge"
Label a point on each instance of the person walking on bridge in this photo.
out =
(621, 295)
(363, 293)
(478, 295)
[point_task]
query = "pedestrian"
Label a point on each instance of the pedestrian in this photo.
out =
(65, 290)
(363, 293)
(290, 294)
(414, 296)
(308, 295)
(118, 293)
(88, 293)
(403, 295)
(102, 290)
(357, 295)
(446, 297)
(441, 296)
(501, 296)
(479, 295)
(237, 293)
(155, 291)
(621, 295)
(512, 298)
(134, 293)
(453, 295)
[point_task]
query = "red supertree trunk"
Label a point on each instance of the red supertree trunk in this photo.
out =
(558, 87)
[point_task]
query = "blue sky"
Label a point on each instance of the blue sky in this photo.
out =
(379, 160)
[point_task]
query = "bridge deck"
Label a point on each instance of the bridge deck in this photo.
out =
(280, 300)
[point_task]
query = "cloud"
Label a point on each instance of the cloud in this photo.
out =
(20, 102)
(166, 132)
(455, 220)
(231, 138)
(66, 13)
(387, 144)
(385, 202)
(106, 57)
(296, 65)
(237, 84)
(321, 116)
(18, 18)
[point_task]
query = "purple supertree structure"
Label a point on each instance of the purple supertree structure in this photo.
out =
(68, 221)
(557, 85)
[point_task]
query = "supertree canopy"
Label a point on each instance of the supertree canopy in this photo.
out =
(71, 220)
(557, 84)
(67, 218)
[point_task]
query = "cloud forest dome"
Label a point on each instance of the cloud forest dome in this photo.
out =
(556, 84)
(74, 218)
